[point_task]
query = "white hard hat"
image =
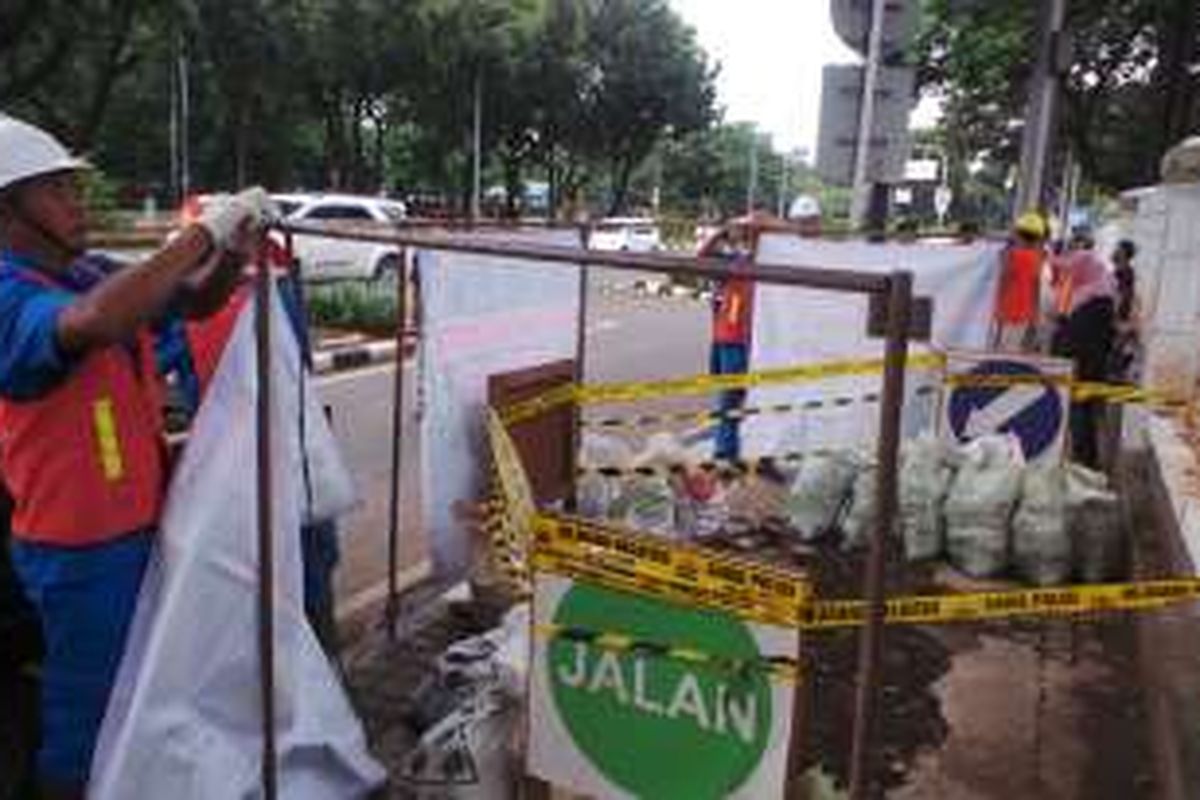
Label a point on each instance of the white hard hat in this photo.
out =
(804, 207)
(27, 151)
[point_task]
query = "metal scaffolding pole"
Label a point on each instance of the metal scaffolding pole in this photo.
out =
(266, 526)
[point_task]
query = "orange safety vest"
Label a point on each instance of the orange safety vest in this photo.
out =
(1020, 276)
(85, 463)
(732, 316)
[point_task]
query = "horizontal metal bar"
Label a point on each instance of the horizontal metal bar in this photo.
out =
(837, 280)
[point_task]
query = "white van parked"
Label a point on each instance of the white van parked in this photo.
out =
(323, 258)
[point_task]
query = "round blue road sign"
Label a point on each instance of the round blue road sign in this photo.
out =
(1036, 419)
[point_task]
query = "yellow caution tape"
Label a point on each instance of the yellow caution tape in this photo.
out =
(783, 669)
(703, 384)
(749, 466)
(646, 564)
(1061, 601)
(634, 422)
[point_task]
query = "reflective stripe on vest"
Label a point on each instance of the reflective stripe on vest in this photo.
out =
(108, 443)
(85, 461)
(731, 325)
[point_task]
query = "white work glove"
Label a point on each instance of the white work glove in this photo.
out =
(227, 213)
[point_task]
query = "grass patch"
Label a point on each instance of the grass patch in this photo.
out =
(366, 306)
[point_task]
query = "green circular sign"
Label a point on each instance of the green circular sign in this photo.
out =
(656, 726)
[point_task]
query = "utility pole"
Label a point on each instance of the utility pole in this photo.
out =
(1042, 113)
(752, 179)
(185, 114)
(477, 146)
(861, 199)
(785, 180)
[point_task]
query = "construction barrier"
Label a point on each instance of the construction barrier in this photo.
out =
(626, 560)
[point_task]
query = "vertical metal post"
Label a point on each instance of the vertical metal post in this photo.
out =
(266, 525)
(871, 641)
(585, 237)
(1041, 113)
(860, 200)
(477, 147)
(392, 609)
(185, 124)
(752, 177)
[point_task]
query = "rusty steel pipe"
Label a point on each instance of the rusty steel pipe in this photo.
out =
(835, 280)
(870, 652)
(392, 608)
(266, 525)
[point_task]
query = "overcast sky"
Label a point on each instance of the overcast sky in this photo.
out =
(771, 53)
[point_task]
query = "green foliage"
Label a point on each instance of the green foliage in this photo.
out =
(99, 196)
(364, 95)
(1128, 92)
(367, 306)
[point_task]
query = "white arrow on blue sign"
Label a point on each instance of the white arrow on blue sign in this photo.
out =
(1034, 413)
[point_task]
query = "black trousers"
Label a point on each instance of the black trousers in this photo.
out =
(1086, 337)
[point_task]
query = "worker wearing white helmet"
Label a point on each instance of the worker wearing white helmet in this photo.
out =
(805, 213)
(81, 445)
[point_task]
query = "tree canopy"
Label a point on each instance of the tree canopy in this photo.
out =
(365, 95)
(1130, 92)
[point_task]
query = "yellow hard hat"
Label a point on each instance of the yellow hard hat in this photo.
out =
(1031, 223)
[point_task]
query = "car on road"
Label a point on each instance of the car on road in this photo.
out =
(631, 235)
(628, 234)
(323, 258)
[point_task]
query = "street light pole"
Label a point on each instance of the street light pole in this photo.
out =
(866, 118)
(752, 180)
(477, 146)
(1041, 113)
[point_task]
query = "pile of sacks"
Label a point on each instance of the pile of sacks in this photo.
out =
(979, 505)
(672, 501)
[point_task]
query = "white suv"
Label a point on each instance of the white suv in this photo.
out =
(629, 234)
(323, 258)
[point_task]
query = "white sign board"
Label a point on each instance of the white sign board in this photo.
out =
(852, 21)
(632, 723)
(1036, 413)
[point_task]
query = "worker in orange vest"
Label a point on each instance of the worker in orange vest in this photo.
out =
(81, 445)
(1015, 322)
(733, 309)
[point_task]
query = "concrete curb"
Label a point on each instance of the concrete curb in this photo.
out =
(344, 358)
(1179, 471)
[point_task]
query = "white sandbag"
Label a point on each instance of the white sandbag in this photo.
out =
(819, 491)
(1041, 544)
(183, 721)
(1094, 525)
(980, 505)
(595, 493)
(329, 490)
(647, 503)
(701, 503)
(859, 524)
(925, 476)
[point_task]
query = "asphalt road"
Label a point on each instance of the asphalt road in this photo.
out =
(628, 338)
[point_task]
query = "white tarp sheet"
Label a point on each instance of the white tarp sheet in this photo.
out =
(183, 722)
(482, 315)
(803, 326)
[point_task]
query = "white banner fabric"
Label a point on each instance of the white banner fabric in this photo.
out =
(804, 326)
(184, 718)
